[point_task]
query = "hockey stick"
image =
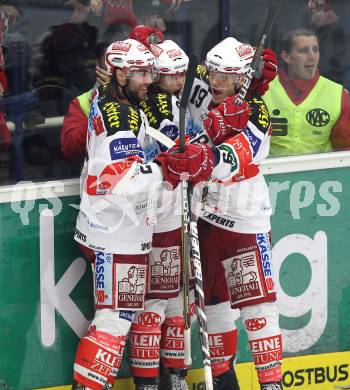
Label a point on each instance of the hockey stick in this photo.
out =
(191, 253)
(272, 13)
(186, 261)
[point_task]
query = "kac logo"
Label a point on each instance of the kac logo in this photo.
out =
(318, 117)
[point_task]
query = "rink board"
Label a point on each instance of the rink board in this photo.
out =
(45, 285)
(317, 372)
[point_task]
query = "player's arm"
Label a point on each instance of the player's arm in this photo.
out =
(73, 133)
(340, 135)
(249, 146)
(269, 68)
(116, 152)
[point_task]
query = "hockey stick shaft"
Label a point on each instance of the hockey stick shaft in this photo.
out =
(191, 252)
(271, 16)
(186, 261)
(200, 302)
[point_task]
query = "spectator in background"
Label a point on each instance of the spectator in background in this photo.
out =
(11, 11)
(5, 135)
(74, 129)
(322, 13)
(310, 113)
(81, 9)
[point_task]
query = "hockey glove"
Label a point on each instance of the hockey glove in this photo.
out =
(268, 73)
(226, 120)
(196, 163)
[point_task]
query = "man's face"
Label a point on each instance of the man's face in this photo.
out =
(173, 84)
(137, 82)
(302, 61)
(223, 85)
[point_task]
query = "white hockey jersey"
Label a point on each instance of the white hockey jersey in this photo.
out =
(162, 112)
(238, 197)
(120, 190)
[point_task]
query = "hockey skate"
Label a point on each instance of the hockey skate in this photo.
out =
(271, 386)
(226, 381)
(173, 379)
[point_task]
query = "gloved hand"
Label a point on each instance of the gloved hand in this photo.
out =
(268, 73)
(270, 68)
(197, 161)
(226, 120)
(146, 35)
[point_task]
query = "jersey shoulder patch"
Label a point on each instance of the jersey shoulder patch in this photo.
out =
(259, 114)
(158, 107)
(119, 117)
(202, 73)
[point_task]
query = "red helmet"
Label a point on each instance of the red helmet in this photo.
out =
(146, 34)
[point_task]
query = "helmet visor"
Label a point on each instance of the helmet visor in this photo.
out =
(140, 74)
(223, 77)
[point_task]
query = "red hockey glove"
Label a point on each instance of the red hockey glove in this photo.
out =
(197, 161)
(226, 120)
(268, 73)
(146, 35)
(270, 68)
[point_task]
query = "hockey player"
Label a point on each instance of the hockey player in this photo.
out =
(163, 314)
(115, 223)
(161, 108)
(234, 229)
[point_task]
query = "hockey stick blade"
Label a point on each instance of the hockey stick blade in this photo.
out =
(185, 97)
(271, 16)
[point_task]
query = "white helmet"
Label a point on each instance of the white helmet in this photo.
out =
(170, 58)
(128, 54)
(230, 56)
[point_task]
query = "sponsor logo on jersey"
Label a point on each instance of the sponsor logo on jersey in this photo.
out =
(105, 357)
(147, 340)
(267, 350)
(112, 110)
(242, 277)
(141, 206)
(165, 269)
(121, 46)
(134, 119)
(103, 263)
(131, 286)
(126, 315)
(147, 109)
(146, 246)
(263, 242)
(79, 235)
(253, 139)
(100, 276)
(163, 103)
(122, 148)
(220, 220)
(255, 324)
(260, 115)
(318, 117)
(170, 131)
(149, 319)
